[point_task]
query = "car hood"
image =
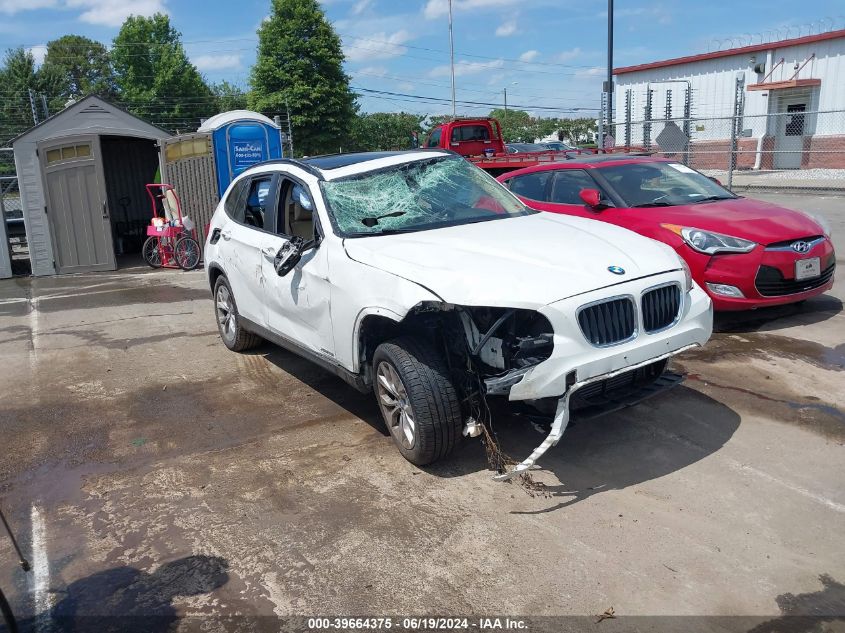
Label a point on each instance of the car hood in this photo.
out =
(755, 220)
(521, 262)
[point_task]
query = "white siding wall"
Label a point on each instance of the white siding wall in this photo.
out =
(89, 116)
(713, 82)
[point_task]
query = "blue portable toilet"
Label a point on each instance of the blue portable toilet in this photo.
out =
(239, 139)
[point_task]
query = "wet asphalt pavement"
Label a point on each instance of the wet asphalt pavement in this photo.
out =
(147, 469)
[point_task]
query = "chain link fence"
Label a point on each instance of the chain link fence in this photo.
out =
(797, 150)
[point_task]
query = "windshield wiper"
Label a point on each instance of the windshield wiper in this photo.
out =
(712, 199)
(652, 204)
(371, 222)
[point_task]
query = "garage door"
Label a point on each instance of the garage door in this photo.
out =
(76, 206)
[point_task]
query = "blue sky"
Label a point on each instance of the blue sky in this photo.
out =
(549, 54)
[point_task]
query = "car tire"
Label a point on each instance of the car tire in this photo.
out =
(411, 379)
(232, 333)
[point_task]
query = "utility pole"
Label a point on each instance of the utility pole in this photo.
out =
(505, 122)
(609, 85)
(452, 60)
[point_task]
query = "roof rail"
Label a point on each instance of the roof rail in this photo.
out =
(289, 161)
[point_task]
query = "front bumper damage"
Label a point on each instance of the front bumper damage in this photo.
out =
(575, 364)
(563, 414)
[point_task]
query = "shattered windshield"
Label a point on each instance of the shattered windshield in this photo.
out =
(416, 196)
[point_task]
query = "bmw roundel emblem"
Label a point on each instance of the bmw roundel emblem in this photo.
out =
(616, 270)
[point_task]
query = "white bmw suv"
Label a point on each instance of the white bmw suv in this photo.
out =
(417, 276)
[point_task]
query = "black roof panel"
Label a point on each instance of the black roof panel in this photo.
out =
(336, 161)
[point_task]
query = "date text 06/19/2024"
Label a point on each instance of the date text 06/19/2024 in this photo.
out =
(416, 623)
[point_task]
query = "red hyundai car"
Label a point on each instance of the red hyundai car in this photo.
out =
(745, 253)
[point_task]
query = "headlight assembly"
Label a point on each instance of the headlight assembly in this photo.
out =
(709, 242)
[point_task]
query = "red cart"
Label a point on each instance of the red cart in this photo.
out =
(172, 238)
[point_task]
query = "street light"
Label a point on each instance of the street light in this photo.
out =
(505, 90)
(608, 88)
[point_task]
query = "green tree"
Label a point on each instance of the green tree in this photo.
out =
(156, 79)
(383, 131)
(299, 66)
(18, 76)
(78, 66)
(229, 96)
(517, 125)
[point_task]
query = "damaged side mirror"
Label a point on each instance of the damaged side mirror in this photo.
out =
(592, 198)
(289, 255)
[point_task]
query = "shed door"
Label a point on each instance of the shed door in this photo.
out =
(76, 206)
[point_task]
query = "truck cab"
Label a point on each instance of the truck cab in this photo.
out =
(468, 137)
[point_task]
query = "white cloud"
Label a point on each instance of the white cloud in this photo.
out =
(14, 6)
(362, 5)
(529, 56)
(464, 67)
(114, 12)
(506, 29)
(377, 46)
(438, 8)
(590, 73)
(38, 52)
(371, 71)
(217, 62)
(566, 56)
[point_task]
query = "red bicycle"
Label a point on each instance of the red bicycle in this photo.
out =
(172, 238)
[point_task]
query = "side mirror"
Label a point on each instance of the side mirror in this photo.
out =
(592, 198)
(289, 255)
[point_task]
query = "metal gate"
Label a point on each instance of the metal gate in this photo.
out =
(76, 205)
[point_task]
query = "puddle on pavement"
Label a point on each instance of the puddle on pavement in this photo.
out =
(153, 294)
(723, 346)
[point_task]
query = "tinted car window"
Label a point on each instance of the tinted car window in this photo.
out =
(470, 133)
(567, 186)
(234, 204)
(434, 139)
(531, 186)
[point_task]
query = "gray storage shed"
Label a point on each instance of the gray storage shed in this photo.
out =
(82, 174)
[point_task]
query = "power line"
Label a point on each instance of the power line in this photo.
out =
(441, 100)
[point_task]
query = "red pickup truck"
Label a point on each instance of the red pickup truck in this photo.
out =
(480, 141)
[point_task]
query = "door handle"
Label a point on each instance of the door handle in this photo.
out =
(105, 211)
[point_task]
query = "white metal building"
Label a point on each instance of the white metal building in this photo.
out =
(792, 99)
(81, 174)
